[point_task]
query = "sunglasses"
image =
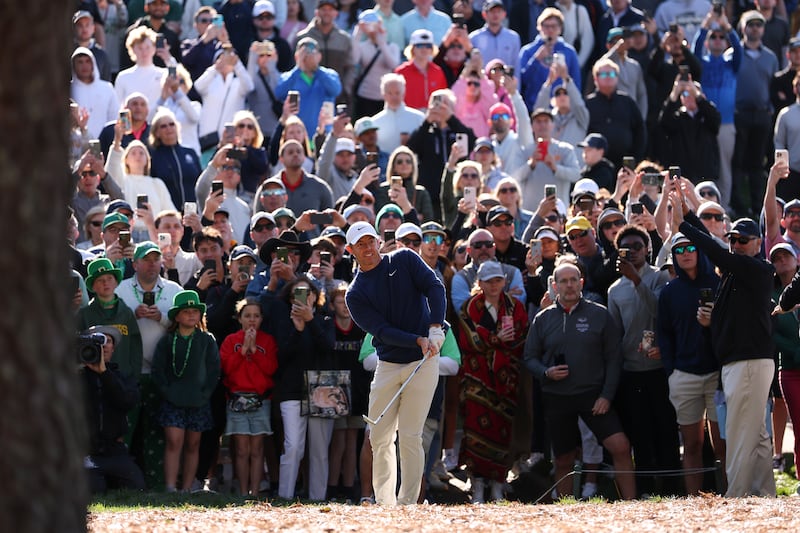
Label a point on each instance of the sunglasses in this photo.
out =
(96, 223)
(508, 190)
(504, 222)
(609, 74)
(230, 167)
(246, 125)
(366, 200)
(263, 227)
(164, 125)
(469, 175)
(561, 93)
(403, 161)
(473, 83)
(461, 249)
(578, 235)
(264, 16)
(755, 23)
(438, 239)
(705, 193)
(680, 250)
(273, 192)
(741, 240)
(791, 214)
(501, 116)
(424, 45)
(482, 244)
(411, 242)
(717, 37)
(552, 218)
(613, 223)
(391, 214)
(87, 173)
(204, 21)
(636, 246)
(715, 216)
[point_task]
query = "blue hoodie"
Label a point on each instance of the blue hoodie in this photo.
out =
(685, 344)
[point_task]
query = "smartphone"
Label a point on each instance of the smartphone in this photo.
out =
(229, 132)
(716, 6)
(397, 182)
(509, 71)
(782, 155)
(653, 178)
(326, 257)
(506, 322)
(561, 359)
(673, 27)
(244, 272)
(172, 71)
(684, 70)
(218, 21)
(637, 208)
(216, 186)
(536, 247)
(623, 253)
(675, 172)
(558, 59)
(160, 41)
(327, 109)
(210, 264)
(125, 120)
(462, 141)
(706, 296)
(551, 291)
(239, 154)
(470, 195)
(124, 238)
(149, 298)
(629, 162)
(94, 148)
(458, 20)
(587, 204)
(648, 340)
(542, 147)
(282, 253)
(321, 218)
(190, 208)
(549, 190)
(371, 158)
(164, 240)
(300, 294)
(294, 99)
(437, 99)
(388, 235)
(141, 200)
(341, 109)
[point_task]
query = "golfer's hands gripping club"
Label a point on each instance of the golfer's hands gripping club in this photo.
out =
(435, 339)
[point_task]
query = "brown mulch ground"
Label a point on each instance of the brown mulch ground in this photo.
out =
(702, 514)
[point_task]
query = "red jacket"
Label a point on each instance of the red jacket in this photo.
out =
(420, 85)
(253, 373)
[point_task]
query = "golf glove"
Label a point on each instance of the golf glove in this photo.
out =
(436, 338)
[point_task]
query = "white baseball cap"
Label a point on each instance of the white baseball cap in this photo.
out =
(359, 230)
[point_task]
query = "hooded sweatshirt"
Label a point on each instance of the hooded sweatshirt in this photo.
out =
(685, 344)
(97, 97)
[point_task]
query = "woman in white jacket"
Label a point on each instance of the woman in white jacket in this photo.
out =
(130, 169)
(187, 112)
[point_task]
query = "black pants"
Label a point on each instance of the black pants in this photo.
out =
(753, 130)
(209, 440)
(114, 469)
(650, 423)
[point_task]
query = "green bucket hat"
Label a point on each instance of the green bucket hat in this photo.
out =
(100, 267)
(185, 300)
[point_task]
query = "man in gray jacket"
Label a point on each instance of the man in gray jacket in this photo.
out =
(573, 349)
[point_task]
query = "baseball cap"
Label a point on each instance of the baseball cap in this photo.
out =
(500, 108)
(483, 142)
(356, 208)
(497, 212)
(794, 43)
(144, 248)
(359, 230)
(243, 251)
(794, 204)
(309, 41)
(752, 15)
(541, 111)
(333, 3)
(368, 17)
(489, 4)
(583, 187)
(577, 223)
(490, 270)
(785, 246)
(116, 205)
(407, 228)
(594, 140)
(613, 34)
(705, 206)
(333, 231)
(261, 215)
(263, 6)
(364, 124)
(746, 227)
(283, 212)
(679, 238)
(607, 213)
(115, 218)
(343, 144)
(421, 37)
(80, 15)
(546, 232)
(433, 227)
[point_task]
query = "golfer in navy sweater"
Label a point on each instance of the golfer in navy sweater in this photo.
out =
(400, 301)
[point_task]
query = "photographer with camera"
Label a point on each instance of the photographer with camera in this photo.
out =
(109, 396)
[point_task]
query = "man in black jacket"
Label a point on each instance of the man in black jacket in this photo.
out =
(741, 334)
(109, 396)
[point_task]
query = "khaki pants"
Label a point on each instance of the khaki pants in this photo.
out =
(748, 446)
(407, 417)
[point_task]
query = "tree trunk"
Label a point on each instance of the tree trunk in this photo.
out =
(42, 424)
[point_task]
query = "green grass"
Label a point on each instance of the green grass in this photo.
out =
(126, 500)
(786, 484)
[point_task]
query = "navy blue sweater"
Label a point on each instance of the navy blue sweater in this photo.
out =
(397, 301)
(686, 345)
(178, 167)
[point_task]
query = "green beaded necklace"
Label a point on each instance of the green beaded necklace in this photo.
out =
(186, 359)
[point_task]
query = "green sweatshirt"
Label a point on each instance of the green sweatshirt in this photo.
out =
(182, 382)
(128, 355)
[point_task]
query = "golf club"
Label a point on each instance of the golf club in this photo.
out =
(396, 395)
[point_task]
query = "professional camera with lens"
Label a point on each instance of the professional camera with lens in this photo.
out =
(90, 348)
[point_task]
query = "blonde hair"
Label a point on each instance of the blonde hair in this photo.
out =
(550, 12)
(136, 144)
(162, 114)
(137, 36)
(390, 165)
(248, 115)
(460, 168)
(305, 143)
(605, 62)
(509, 181)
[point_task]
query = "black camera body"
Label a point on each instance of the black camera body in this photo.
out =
(89, 349)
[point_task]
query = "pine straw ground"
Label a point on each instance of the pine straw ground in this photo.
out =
(703, 514)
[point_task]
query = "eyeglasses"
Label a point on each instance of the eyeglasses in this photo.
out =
(461, 249)
(166, 125)
(472, 175)
(741, 240)
(501, 116)
(264, 16)
(391, 214)
(551, 25)
(636, 246)
(507, 190)
(561, 93)
(705, 193)
(607, 74)
(424, 45)
(230, 167)
(791, 214)
(716, 216)
(498, 67)
(578, 235)
(473, 83)
(613, 223)
(482, 244)
(204, 20)
(88, 173)
(273, 192)
(689, 248)
(429, 238)
(504, 222)
(411, 242)
(717, 37)
(246, 125)
(456, 45)
(263, 227)
(403, 161)
(552, 218)
(755, 23)
(96, 223)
